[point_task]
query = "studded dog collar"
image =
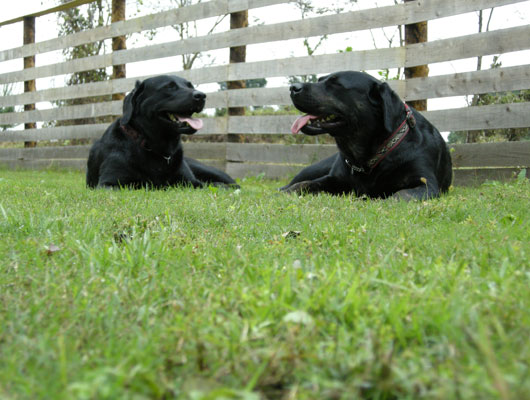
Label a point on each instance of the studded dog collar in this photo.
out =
(390, 144)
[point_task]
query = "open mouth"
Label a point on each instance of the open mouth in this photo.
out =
(183, 122)
(316, 125)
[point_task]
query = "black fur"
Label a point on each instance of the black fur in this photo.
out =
(367, 112)
(143, 148)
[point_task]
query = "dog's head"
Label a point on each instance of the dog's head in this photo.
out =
(164, 104)
(344, 104)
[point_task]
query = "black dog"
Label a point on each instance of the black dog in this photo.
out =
(143, 147)
(386, 149)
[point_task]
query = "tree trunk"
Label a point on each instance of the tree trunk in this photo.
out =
(237, 54)
(29, 62)
(118, 43)
(416, 33)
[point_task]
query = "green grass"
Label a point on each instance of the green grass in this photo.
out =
(204, 294)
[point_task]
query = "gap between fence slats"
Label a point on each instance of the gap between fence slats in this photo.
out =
(337, 23)
(193, 12)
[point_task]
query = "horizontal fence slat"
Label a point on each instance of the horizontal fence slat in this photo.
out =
(278, 153)
(36, 153)
(56, 133)
(473, 163)
(467, 83)
(94, 131)
(479, 44)
(194, 12)
(79, 164)
(64, 113)
(477, 176)
(202, 151)
(205, 150)
(501, 154)
(496, 116)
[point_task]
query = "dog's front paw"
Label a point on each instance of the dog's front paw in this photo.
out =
(298, 188)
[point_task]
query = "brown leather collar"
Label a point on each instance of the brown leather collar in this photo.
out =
(388, 146)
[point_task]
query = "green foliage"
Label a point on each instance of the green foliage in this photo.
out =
(253, 294)
(307, 9)
(6, 90)
(78, 19)
(494, 135)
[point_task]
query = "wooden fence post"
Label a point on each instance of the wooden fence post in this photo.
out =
(416, 33)
(118, 43)
(237, 54)
(29, 62)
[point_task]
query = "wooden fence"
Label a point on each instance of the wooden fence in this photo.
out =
(474, 162)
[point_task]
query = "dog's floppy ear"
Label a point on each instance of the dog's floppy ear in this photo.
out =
(389, 102)
(129, 103)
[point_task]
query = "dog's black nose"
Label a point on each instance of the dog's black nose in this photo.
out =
(198, 96)
(296, 88)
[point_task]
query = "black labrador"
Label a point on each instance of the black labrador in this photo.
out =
(386, 149)
(143, 148)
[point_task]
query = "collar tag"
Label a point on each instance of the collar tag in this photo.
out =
(353, 168)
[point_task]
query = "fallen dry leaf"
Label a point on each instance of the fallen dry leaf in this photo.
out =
(52, 248)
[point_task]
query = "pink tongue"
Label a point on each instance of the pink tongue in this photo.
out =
(195, 123)
(301, 122)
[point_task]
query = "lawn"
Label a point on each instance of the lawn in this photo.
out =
(253, 294)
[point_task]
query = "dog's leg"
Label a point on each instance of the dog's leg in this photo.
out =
(428, 189)
(328, 184)
(210, 175)
(313, 172)
(187, 177)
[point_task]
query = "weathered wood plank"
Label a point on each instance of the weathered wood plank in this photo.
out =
(278, 153)
(487, 43)
(58, 133)
(95, 131)
(487, 81)
(76, 164)
(467, 83)
(474, 163)
(202, 151)
(52, 152)
(62, 7)
(496, 116)
(176, 16)
(79, 164)
(64, 113)
(205, 151)
(477, 176)
(501, 154)
(515, 115)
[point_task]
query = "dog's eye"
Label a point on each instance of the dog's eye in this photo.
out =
(190, 85)
(172, 85)
(333, 79)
